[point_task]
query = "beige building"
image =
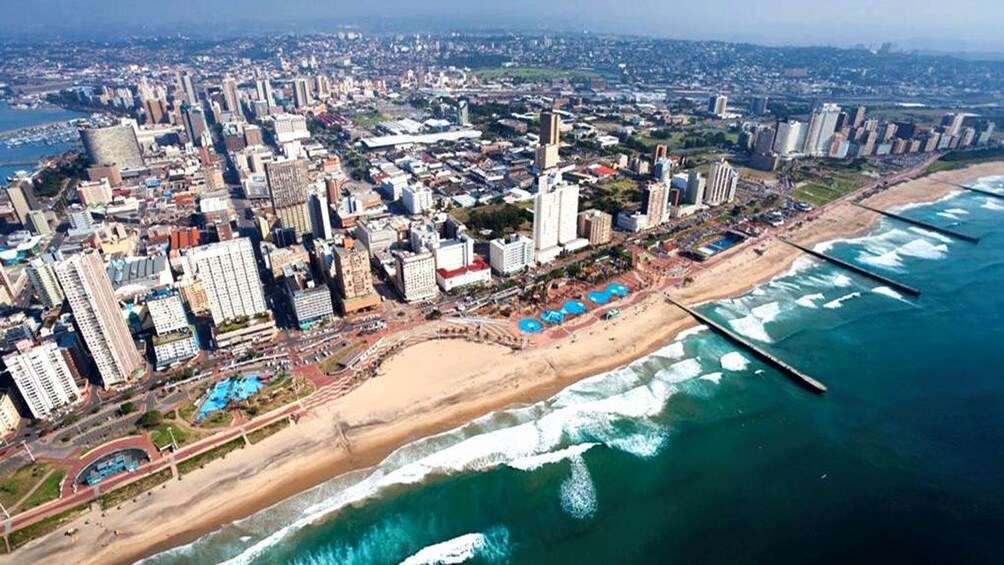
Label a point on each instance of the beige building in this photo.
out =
(99, 318)
(287, 184)
(9, 417)
(416, 276)
(596, 226)
(353, 279)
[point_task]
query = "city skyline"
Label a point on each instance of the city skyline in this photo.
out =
(773, 22)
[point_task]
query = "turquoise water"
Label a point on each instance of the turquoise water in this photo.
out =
(230, 390)
(23, 157)
(700, 454)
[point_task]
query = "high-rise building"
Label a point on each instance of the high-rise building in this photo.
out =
(112, 145)
(758, 106)
(595, 226)
(20, 195)
(230, 276)
(658, 152)
(287, 184)
(174, 340)
(952, 123)
(722, 182)
(416, 276)
(822, 126)
(353, 279)
(99, 318)
(857, 117)
(417, 199)
(43, 280)
(554, 219)
(653, 203)
(510, 254)
(786, 141)
(718, 105)
(301, 93)
(550, 141)
(320, 215)
(195, 123)
(188, 88)
(264, 90)
(695, 188)
(231, 101)
(463, 112)
(43, 378)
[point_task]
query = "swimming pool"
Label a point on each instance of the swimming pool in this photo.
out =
(226, 391)
(530, 326)
(574, 307)
(599, 296)
(552, 316)
(720, 244)
(617, 289)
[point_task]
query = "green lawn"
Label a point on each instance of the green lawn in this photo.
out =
(265, 431)
(15, 486)
(131, 490)
(48, 490)
(161, 435)
(531, 74)
(369, 120)
(823, 190)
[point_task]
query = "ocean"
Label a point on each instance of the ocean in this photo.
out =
(24, 157)
(698, 453)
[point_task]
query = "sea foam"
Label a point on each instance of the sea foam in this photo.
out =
(578, 494)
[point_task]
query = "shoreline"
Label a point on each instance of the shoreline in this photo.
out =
(436, 386)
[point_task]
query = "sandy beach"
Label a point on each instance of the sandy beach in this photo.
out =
(435, 386)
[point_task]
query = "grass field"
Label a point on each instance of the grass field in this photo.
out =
(14, 486)
(198, 461)
(821, 191)
(529, 74)
(161, 436)
(48, 490)
(368, 121)
(265, 431)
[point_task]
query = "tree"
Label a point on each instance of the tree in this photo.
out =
(126, 407)
(151, 419)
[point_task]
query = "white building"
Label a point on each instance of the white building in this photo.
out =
(10, 419)
(43, 279)
(416, 276)
(230, 276)
(43, 378)
(722, 182)
(790, 137)
(290, 127)
(822, 126)
(99, 318)
(417, 199)
(555, 216)
(510, 254)
(457, 265)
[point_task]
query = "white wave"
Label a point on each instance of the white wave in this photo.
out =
(841, 280)
(713, 377)
(957, 211)
(640, 445)
(992, 204)
(949, 215)
(751, 327)
(734, 361)
(534, 462)
(886, 291)
(767, 312)
(809, 300)
(800, 265)
(690, 332)
(671, 351)
(923, 249)
(578, 494)
(931, 234)
(839, 302)
(911, 205)
(887, 259)
(462, 548)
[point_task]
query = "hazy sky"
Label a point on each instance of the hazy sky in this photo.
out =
(937, 24)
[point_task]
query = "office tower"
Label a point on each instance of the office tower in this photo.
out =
(695, 188)
(230, 276)
(758, 106)
(188, 88)
(112, 145)
(20, 195)
(174, 339)
(595, 226)
(195, 123)
(290, 127)
(42, 376)
(43, 280)
(510, 254)
(417, 199)
(99, 318)
(416, 276)
(718, 105)
(321, 87)
(264, 89)
(857, 117)
(653, 203)
(301, 94)
(550, 133)
(320, 216)
(8, 294)
(550, 139)
(658, 152)
(822, 126)
(463, 112)
(353, 280)
(231, 102)
(253, 136)
(952, 123)
(39, 223)
(287, 184)
(722, 182)
(764, 141)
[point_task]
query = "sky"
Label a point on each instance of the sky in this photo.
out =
(956, 25)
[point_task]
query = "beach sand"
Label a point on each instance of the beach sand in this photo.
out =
(435, 386)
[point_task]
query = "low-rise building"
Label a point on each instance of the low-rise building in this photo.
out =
(510, 254)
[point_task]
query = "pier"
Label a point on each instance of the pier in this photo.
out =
(921, 224)
(794, 374)
(855, 268)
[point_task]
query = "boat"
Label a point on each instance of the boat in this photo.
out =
(612, 314)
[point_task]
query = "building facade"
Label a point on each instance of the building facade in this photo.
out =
(43, 378)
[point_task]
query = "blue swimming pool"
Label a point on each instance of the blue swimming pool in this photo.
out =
(720, 244)
(617, 289)
(229, 390)
(552, 316)
(599, 296)
(530, 326)
(574, 307)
